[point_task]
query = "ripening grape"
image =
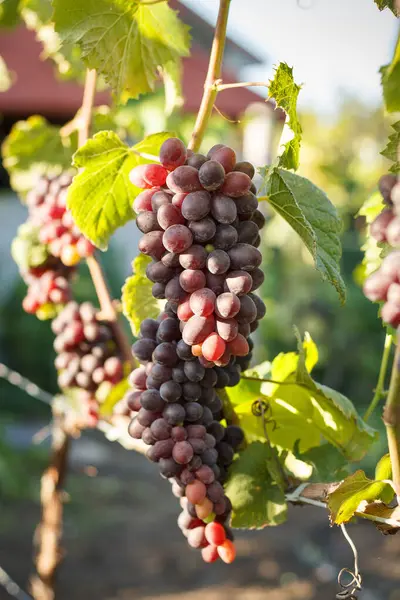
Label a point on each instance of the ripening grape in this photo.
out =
(173, 153)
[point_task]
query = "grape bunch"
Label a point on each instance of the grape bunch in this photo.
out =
(87, 356)
(48, 209)
(200, 222)
(178, 413)
(384, 284)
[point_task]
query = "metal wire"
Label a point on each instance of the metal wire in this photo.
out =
(24, 384)
(11, 587)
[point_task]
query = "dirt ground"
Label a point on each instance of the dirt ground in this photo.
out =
(122, 543)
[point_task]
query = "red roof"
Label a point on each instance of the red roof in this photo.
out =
(37, 90)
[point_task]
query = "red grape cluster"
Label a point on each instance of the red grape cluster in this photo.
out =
(384, 284)
(200, 220)
(48, 286)
(48, 209)
(178, 414)
(87, 355)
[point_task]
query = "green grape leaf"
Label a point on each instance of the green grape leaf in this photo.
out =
(390, 4)
(384, 470)
(115, 394)
(300, 413)
(390, 80)
(101, 195)
(311, 214)
(37, 15)
(285, 92)
(391, 151)
(34, 147)
(353, 494)
(257, 501)
(137, 300)
(327, 462)
(6, 77)
(125, 40)
(9, 13)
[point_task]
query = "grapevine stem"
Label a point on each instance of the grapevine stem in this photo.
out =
(213, 74)
(391, 418)
(220, 87)
(380, 386)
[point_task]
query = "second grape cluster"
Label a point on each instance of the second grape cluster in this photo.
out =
(200, 219)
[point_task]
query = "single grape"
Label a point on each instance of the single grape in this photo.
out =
(151, 244)
(158, 290)
(213, 347)
(258, 277)
(211, 175)
(169, 468)
(215, 283)
(258, 218)
(194, 371)
(168, 215)
(136, 177)
(225, 237)
(245, 167)
(160, 373)
(143, 349)
(227, 305)
(197, 329)
(154, 175)
(244, 257)
(204, 230)
(147, 417)
(184, 351)
(227, 329)
(196, 492)
(202, 301)
(247, 232)
(379, 226)
(191, 391)
(170, 259)
(393, 232)
(194, 257)
(192, 280)
(177, 238)
(161, 449)
(223, 209)
(173, 153)
(224, 155)
(196, 205)
(184, 311)
(184, 179)
(218, 262)
(239, 346)
(161, 429)
(234, 435)
(165, 354)
(386, 184)
(210, 379)
(260, 306)
(170, 391)
(159, 199)
(157, 272)
(174, 414)
(376, 286)
(248, 310)
(174, 291)
(246, 204)
(236, 184)
(135, 429)
(182, 453)
(196, 160)
(152, 400)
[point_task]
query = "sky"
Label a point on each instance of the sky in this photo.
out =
(335, 46)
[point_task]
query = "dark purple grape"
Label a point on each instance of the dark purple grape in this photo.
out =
(196, 205)
(151, 244)
(158, 291)
(146, 417)
(184, 351)
(161, 449)
(149, 328)
(146, 221)
(233, 435)
(245, 167)
(222, 377)
(174, 291)
(170, 391)
(165, 354)
(210, 379)
(203, 231)
(218, 262)
(215, 283)
(211, 175)
(258, 278)
(169, 468)
(174, 414)
(168, 330)
(244, 257)
(143, 349)
(151, 400)
(224, 155)
(196, 160)
(176, 238)
(225, 237)
(260, 306)
(197, 444)
(193, 411)
(236, 184)
(161, 373)
(246, 204)
(223, 209)
(258, 218)
(386, 184)
(191, 391)
(170, 259)
(247, 232)
(248, 310)
(194, 371)
(160, 429)
(209, 457)
(217, 431)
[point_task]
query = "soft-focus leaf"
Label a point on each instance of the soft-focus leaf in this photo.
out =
(311, 214)
(327, 461)
(116, 394)
(285, 92)
(6, 78)
(391, 151)
(137, 300)
(384, 471)
(353, 492)
(33, 148)
(9, 13)
(390, 79)
(256, 499)
(101, 195)
(125, 40)
(37, 15)
(390, 4)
